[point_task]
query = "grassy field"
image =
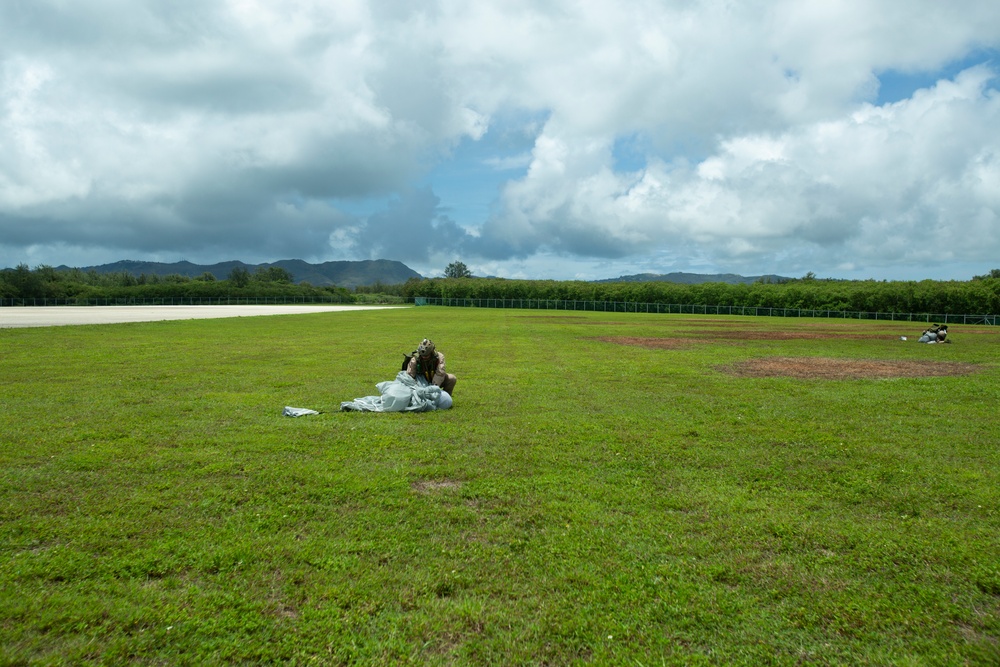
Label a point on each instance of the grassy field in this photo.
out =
(609, 489)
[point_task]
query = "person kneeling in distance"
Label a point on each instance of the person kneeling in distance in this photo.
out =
(428, 363)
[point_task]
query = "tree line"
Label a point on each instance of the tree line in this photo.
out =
(46, 282)
(978, 296)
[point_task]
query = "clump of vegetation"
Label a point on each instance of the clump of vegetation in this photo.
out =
(47, 283)
(978, 296)
(457, 270)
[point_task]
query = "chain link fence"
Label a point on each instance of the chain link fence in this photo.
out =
(691, 309)
(525, 304)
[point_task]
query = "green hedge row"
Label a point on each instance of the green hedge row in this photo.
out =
(47, 283)
(981, 296)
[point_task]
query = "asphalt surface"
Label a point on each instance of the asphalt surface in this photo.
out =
(54, 316)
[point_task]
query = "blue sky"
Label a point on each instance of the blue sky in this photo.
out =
(896, 85)
(561, 140)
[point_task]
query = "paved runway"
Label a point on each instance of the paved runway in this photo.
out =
(52, 316)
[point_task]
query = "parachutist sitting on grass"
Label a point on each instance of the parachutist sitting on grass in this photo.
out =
(428, 363)
(936, 334)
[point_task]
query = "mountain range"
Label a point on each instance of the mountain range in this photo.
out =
(343, 274)
(694, 278)
(352, 274)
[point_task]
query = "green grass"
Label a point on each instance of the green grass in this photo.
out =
(584, 502)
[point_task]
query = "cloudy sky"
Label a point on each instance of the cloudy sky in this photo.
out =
(567, 139)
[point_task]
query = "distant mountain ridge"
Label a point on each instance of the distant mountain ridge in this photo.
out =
(342, 274)
(352, 274)
(694, 278)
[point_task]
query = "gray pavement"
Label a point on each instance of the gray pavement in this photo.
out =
(51, 316)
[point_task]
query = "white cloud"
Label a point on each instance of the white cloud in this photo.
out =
(914, 181)
(198, 128)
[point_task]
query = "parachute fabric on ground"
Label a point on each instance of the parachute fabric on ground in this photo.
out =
(395, 396)
(298, 412)
(404, 394)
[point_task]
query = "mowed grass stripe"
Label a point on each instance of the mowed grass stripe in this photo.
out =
(585, 501)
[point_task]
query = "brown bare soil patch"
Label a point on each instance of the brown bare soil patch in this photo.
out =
(844, 369)
(685, 337)
(649, 343)
(716, 321)
(433, 485)
(786, 335)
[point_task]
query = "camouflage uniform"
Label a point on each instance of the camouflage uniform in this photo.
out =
(428, 363)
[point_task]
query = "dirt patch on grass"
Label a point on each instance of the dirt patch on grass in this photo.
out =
(844, 369)
(714, 321)
(434, 485)
(787, 335)
(686, 337)
(649, 343)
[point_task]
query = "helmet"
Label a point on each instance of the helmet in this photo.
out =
(426, 348)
